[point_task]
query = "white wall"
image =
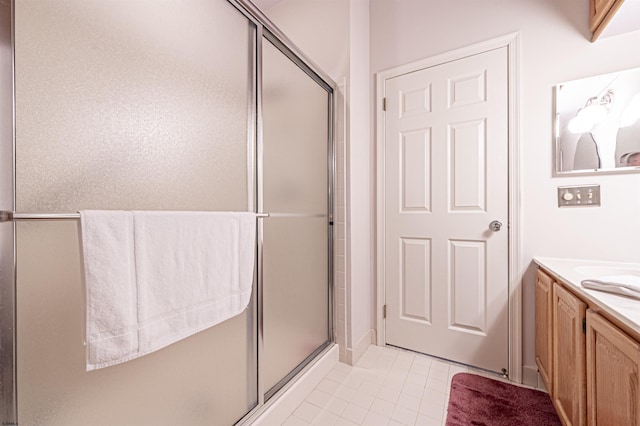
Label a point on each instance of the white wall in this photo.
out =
(555, 47)
(362, 187)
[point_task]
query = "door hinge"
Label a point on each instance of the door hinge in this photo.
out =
(584, 326)
(384, 104)
(384, 311)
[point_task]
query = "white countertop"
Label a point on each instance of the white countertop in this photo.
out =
(573, 271)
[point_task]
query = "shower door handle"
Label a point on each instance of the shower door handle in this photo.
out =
(262, 215)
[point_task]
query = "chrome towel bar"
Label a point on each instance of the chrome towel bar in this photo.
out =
(7, 216)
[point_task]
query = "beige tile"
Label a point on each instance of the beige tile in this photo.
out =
(295, 421)
(346, 393)
(413, 389)
(353, 381)
(306, 411)
(336, 406)
(354, 413)
(402, 363)
(328, 386)
(386, 387)
(409, 401)
(434, 397)
(375, 419)
(338, 374)
(439, 365)
(380, 406)
(416, 379)
(326, 418)
(318, 398)
(345, 422)
(439, 374)
(369, 388)
(432, 409)
(421, 367)
(427, 421)
(404, 415)
(437, 385)
(390, 394)
(363, 400)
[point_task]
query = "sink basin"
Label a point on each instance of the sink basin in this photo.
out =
(603, 271)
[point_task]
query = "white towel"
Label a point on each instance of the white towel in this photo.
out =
(153, 278)
(627, 285)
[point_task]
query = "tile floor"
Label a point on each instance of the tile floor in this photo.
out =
(386, 387)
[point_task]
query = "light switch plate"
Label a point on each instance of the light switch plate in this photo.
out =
(579, 196)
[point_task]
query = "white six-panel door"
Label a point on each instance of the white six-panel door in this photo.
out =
(446, 180)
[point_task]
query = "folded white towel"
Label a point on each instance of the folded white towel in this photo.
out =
(153, 278)
(110, 286)
(627, 285)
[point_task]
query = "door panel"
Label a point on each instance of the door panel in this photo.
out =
(416, 283)
(468, 286)
(416, 176)
(467, 181)
(446, 179)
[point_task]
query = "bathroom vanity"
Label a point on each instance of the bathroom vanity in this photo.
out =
(588, 343)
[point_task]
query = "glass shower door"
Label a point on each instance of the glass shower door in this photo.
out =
(296, 236)
(135, 105)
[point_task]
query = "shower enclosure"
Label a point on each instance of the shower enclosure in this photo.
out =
(158, 105)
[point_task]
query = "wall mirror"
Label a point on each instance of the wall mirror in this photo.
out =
(597, 124)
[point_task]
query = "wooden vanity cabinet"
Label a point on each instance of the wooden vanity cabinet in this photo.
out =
(613, 366)
(544, 327)
(569, 360)
(593, 372)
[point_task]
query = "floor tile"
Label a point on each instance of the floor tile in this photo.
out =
(380, 406)
(306, 411)
(295, 421)
(354, 413)
(404, 415)
(318, 398)
(387, 387)
(375, 419)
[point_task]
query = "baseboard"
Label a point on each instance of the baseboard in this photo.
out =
(278, 412)
(353, 355)
(530, 376)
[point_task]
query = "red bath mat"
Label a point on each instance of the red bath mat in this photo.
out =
(477, 400)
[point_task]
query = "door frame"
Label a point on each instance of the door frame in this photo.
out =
(512, 42)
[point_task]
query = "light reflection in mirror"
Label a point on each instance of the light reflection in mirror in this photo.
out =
(597, 123)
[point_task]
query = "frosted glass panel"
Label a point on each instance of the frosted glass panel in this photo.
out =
(295, 248)
(295, 117)
(295, 281)
(206, 379)
(126, 105)
(137, 104)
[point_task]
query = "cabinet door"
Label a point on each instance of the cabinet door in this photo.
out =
(613, 364)
(597, 11)
(544, 327)
(569, 377)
